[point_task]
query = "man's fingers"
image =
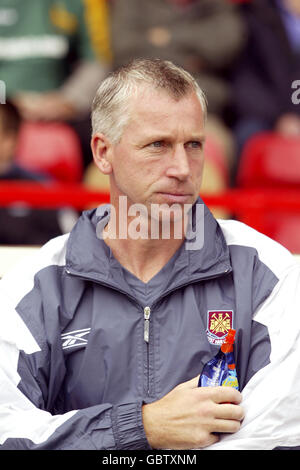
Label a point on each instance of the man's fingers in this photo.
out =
(229, 411)
(226, 395)
(189, 416)
(217, 394)
(226, 425)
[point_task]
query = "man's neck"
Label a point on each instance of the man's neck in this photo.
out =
(143, 258)
(143, 244)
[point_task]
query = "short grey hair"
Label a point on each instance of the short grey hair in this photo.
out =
(111, 105)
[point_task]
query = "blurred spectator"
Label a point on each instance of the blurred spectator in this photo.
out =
(53, 54)
(203, 36)
(10, 123)
(268, 66)
(19, 224)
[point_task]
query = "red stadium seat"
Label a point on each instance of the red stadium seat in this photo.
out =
(285, 228)
(270, 160)
(50, 148)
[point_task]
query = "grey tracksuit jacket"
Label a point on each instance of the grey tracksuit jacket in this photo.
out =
(85, 343)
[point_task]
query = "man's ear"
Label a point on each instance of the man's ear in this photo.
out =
(101, 148)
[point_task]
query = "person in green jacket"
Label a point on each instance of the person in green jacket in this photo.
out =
(53, 55)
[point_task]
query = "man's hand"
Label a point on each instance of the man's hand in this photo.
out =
(188, 416)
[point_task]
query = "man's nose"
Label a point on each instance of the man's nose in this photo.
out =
(179, 164)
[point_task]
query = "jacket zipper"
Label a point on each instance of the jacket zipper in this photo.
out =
(147, 309)
(147, 313)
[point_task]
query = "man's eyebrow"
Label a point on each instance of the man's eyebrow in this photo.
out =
(200, 137)
(158, 137)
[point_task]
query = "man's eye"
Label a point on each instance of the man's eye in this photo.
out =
(195, 144)
(157, 144)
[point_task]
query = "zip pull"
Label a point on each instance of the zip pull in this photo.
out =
(147, 312)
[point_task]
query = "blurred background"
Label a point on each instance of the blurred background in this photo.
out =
(245, 54)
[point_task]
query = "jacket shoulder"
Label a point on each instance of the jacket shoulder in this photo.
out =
(270, 252)
(19, 280)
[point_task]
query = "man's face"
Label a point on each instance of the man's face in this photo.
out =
(159, 159)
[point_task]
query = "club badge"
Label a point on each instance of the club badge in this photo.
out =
(218, 324)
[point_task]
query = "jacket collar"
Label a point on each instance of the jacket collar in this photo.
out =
(206, 255)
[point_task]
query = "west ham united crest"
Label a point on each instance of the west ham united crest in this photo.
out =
(218, 324)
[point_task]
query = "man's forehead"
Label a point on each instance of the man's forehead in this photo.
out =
(156, 107)
(146, 93)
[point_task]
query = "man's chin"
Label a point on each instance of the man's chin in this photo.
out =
(172, 212)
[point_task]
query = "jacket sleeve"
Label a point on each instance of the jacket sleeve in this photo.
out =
(271, 397)
(90, 39)
(86, 23)
(27, 380)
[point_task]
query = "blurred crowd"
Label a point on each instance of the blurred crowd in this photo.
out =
(245, 54)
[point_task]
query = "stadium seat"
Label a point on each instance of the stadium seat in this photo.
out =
(50, 148)
(270, 160)
(285, 228)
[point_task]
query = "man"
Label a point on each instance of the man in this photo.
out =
(263, 99)
(19, 224)
(52, 56)
(105, 333)
(205, 37)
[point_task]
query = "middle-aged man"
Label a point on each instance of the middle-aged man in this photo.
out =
(105, 332)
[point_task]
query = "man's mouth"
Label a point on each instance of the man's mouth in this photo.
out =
(179, 197)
